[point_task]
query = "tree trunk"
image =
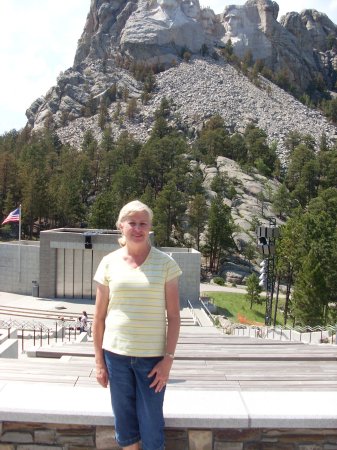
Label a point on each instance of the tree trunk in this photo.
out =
(276, 299)
(289, 283)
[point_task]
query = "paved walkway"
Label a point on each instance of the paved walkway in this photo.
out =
(15, 304)
(210, 287)
(77, 305)
(63, 306)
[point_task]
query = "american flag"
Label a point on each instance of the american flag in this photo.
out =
(13, 216)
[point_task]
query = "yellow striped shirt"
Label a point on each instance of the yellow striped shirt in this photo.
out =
(135, 324)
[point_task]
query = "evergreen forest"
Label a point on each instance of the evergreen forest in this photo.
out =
(60, 186)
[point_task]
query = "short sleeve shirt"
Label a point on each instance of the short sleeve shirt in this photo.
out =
(135, 324)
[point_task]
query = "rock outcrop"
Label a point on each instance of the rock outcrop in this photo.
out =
(296, 44)
(251, 204)
(315, 35)
(160, 31)
(150, 30)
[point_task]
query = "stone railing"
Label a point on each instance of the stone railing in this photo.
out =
(66, 418)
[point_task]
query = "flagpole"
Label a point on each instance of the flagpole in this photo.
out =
(19, 243)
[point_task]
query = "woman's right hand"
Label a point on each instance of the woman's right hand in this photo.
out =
(102, 375)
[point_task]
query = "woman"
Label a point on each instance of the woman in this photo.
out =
(137, 288)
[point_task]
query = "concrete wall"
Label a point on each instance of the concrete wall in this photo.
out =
(67, 267)
(9, 349)
(19, 266)
(189, 261)
(63, 267)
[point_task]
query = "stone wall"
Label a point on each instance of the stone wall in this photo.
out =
(19, 266)
(40, 436)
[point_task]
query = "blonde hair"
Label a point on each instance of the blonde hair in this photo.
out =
(128, 210)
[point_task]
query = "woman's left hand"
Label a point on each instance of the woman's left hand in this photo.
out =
(161, 372)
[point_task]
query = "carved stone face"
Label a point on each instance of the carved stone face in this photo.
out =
(191, 8)
(233, 20)
(270, 8)
(247, 24)
(167, 4)
(208, 20)
(268, 12)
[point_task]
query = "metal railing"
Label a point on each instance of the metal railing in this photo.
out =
(307, 334)
(194, 315)
(38, 333)
(207, 311)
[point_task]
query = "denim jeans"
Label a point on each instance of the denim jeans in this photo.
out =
(138, 410)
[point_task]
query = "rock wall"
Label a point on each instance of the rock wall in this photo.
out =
(20, 436)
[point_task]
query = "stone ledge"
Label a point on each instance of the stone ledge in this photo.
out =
(25, 402)
(9, 349)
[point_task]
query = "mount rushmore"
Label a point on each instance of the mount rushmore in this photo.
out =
(159, 31)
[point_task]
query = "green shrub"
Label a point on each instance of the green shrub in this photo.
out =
(219, 280)
(187, 56)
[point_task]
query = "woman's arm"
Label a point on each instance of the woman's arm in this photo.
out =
(173, 315)
(101, 306)
(162, 370)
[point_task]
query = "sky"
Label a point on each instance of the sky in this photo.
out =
(38, 40)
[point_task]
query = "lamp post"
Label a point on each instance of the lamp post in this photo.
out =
(266, 246)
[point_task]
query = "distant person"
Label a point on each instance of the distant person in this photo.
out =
(84, 322)
(137, 288)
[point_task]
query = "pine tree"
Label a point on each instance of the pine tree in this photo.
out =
(168, 214)
(131, 108)
(103, 114)
(219, 231)
(198, 213)
(253, 290)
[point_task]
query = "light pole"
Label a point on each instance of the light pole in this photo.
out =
(266, 245)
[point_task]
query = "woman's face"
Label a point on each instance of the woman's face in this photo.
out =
(136, 227)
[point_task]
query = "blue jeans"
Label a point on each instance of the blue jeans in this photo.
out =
(138, 410)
